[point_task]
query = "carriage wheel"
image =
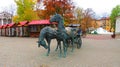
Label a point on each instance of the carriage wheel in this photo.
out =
(79, 43)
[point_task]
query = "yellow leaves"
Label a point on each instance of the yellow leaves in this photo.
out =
(15, 18)
(25, 10)
(34, 1)
(30, 15)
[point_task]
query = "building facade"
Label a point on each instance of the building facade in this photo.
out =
(106, 24)
(5, 18)
(117, 29)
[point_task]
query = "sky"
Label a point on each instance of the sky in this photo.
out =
(5, 4)
(99, 6)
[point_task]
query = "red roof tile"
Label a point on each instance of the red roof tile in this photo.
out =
(4, 26)
(39, 22)
(11, 24)
(22, 23)
(1, 26)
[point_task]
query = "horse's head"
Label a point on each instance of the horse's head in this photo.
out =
(42, 43)
(56, 18)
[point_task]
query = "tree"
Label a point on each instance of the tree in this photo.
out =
(15, 18)
(63, 7)
(115, 12)
(25, 10)
(88, 16)
(79, 14)
(39, 8)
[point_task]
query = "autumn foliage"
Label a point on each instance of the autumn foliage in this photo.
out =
(25, 11)
(63, 7)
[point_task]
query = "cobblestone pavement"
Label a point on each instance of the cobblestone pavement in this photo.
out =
(23, 52)
(99, 37)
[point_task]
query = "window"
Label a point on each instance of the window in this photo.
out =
(33, 29)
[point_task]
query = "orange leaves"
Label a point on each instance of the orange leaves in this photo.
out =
(58, 6)
(69, 15)
(38, 0)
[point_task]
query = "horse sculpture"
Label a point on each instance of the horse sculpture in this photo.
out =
(60, 35)
(48, 33)
(61, 29)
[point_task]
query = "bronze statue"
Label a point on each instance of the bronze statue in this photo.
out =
(60, 35)
(61, 32)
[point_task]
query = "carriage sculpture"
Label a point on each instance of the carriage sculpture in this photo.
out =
(61, 34)
(77, 38)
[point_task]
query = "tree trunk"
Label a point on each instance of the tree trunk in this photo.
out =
(114, 35)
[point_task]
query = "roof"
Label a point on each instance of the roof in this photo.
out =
(105, 18)
(40, 22)
(7, 25)
(5, 15)
(1, 26)
(11, 24)
(4, 26)
(23, 23)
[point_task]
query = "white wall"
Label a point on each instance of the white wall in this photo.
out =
(117, 30)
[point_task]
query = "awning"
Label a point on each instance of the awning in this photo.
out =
(40, 22)
(1, 26)
(23, 23)
(4, 26)
(11, 24)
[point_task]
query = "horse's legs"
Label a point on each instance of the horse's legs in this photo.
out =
(72, 44)
(48, 41)
(64, 48)
(68, 43)
(57, 46)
